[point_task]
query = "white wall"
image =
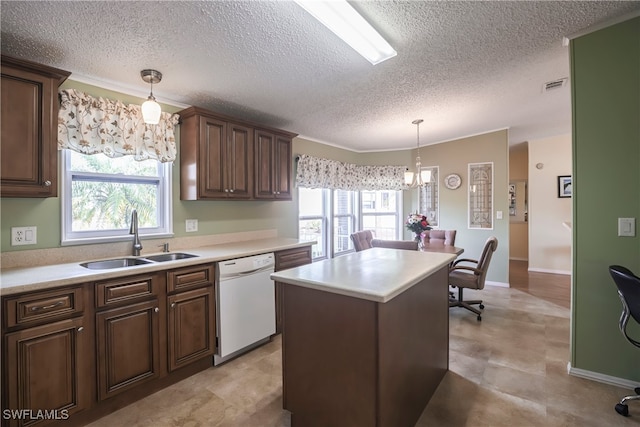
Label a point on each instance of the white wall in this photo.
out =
(549, 239)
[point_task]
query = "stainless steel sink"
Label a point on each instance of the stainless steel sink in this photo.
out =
(114, 263)
(170, 256)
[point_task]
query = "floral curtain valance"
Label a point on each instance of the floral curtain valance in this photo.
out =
(91, 125)
(314, 172)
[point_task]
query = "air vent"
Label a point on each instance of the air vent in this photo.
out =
(555, 84)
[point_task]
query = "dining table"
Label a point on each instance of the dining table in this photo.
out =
(441, 248)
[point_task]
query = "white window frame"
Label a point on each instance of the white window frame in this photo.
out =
(398, 214)
(328, 220)
(164, 207)
(353, 217)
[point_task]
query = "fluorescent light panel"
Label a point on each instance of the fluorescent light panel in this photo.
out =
(351, 27)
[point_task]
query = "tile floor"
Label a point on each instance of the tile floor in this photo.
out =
(508, 370)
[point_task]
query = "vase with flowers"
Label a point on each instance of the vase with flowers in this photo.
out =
(417, 223)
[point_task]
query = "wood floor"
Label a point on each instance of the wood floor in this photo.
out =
(554, 288)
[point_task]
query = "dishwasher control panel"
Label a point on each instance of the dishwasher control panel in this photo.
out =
(246, 265)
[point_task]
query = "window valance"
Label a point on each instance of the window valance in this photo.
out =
(314, 172)
(91, 125)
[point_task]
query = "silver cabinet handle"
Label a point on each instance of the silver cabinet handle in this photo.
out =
(47, 183)
(156, 309)
(231, 191)
(81, 328)
(173, 304)
(46, 307)
(226, 190)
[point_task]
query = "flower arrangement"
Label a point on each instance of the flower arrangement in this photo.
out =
(417, 223)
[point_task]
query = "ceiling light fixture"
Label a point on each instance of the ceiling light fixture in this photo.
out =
(420, 177)
(341, 18)
(150, 108)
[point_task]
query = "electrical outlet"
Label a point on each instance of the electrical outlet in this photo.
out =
(191, 225)
(24, 236)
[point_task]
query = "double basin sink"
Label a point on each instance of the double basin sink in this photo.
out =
(130, 262)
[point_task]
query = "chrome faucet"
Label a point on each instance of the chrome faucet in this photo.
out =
(133, 229)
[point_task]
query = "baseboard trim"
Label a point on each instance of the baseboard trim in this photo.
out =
(601, 378)
(498, 284)
(544, 270)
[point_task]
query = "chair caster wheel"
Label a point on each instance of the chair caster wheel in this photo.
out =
(622, 409)
(481, 307)
(479, 318)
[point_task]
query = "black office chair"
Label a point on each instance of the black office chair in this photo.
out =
(629, 292)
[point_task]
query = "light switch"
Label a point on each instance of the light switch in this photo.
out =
(498, 214)
(191, 225)
(627, 227)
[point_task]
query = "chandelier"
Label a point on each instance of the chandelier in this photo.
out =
(420, 177)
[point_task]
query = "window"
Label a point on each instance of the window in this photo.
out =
(321, 210)
(344, 220)
(312, 222)
(99, 193)
(381, 213)
(429, 198)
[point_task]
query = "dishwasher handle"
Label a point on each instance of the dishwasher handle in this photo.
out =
(246, 273)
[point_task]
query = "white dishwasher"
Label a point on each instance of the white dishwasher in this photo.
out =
(245, 305)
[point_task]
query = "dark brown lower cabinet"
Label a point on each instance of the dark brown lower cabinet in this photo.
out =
(47, 376)
(128, 347)
(191, 326)
(288, 258)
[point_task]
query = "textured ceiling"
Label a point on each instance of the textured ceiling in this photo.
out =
(464, 67)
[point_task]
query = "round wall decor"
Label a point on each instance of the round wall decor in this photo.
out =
(452, 181)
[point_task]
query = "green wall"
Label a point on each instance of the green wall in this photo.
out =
(605, 67)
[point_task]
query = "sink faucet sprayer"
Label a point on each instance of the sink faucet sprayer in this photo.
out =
(137, 246)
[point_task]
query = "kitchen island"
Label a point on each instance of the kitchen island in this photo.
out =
(365, 337)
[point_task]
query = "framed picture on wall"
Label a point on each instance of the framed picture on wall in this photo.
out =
(564, 186)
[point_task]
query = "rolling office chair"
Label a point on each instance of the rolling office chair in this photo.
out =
(471, 276)
(364, 240)
(629, 292)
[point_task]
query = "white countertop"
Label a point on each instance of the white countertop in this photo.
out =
(377, 274)
(16, 280)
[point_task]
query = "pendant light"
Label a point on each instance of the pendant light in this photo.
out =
(420, 177)
(150, 108)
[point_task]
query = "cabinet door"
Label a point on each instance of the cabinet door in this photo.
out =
(282, 173)
(212, 172)
(273, 166)
(239, 161)
(29, 158)
(128, 343)
(264, 164)
(191, 326)
(49, 368)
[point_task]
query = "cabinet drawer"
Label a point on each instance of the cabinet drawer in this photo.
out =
(124, 290)
(33, 308)
(293, 258)
(190, 277)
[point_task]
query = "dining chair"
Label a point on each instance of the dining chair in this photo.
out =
(445, 237)
(471, 274)
(629, 292)
(364, 240)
